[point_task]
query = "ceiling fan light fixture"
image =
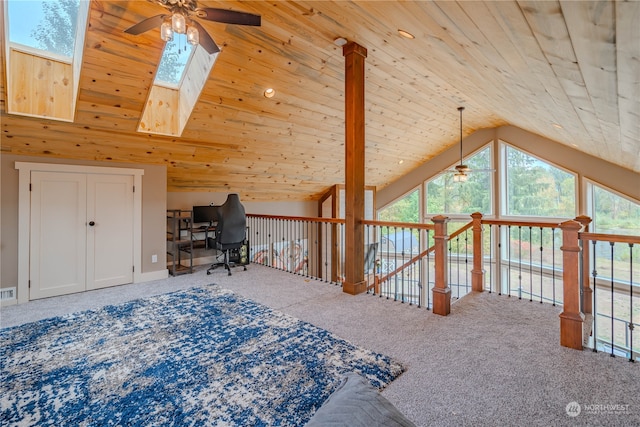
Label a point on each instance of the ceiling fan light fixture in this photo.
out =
(193, 37)
(178, 23)
(460, 177)
(166, 32)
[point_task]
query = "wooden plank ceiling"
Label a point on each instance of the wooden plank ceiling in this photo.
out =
(569, 71)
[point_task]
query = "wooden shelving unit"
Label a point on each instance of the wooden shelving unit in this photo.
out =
(179, 241)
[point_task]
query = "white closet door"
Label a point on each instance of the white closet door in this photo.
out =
(110, 238)
(58, 234)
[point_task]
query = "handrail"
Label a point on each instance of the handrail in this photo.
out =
(547, 224)
(300, 218)
(618, 238)
(407, 264)
(424, 253)
(461, 230)
(415, 225)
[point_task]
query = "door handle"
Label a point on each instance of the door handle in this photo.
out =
(92, 223)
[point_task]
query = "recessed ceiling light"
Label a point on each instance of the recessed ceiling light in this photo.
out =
(406, 34)
(557, 126)
(401, 162)
(269, 93)
(340, 41)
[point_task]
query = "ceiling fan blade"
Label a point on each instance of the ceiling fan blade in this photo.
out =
(228, 16)
(205, 39)
(469, 170)
(146, 25)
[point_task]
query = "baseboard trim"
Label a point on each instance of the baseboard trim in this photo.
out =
(153, 275)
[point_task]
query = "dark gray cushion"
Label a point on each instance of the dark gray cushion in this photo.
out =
(355, 403)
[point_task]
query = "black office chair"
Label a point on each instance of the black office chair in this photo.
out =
(230, 231)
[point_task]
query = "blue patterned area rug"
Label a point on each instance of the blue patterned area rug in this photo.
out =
(199, 357)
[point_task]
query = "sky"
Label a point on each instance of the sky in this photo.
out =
(24, 16)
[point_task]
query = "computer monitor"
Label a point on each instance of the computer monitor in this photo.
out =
(208, 214)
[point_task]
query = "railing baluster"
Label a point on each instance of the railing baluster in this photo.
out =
(509, 262)
(466, 261)
(519, 262)
(402, 275)
(326, 251)
(491, 276)
(449, 266)
(631, 326)
(458, 265)
(420, 271)
(428, 281)
(530, 266)
(499, 260)
(595, 293)
(612, 299)
(541, 262)
(553, 258)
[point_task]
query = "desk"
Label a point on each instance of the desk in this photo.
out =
(207, 230)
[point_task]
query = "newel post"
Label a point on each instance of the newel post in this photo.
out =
(587, 296)
(441, 291)
(477, 274)
(571, 318)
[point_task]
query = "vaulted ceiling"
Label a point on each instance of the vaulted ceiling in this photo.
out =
(568, 71)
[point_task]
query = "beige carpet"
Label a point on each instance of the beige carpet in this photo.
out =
(495, 361)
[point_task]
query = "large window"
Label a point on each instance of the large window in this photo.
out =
(444, 196)
(611, 213)
(405, 209)
(536, 188)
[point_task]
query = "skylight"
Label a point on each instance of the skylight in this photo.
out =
(173, 63)
(48, 25)
(43, 54)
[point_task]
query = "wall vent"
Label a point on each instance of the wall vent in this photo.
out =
(8, 294)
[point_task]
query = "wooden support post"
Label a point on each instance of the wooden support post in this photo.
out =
(441, 291)
(587, 292)
(477, 274)
(571, 319)
(355, 55)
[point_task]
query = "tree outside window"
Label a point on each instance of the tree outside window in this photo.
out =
(536, 188)
(444, 196)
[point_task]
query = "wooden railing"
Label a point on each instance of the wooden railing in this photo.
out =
(611, 293)
(301, 245)
(416, 270)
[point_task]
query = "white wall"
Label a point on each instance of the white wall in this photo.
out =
(186, 200)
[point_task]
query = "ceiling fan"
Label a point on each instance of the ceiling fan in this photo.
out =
(179, 20)
(461, 170)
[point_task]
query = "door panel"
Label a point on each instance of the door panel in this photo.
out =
(110, 239)
(58, 234)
